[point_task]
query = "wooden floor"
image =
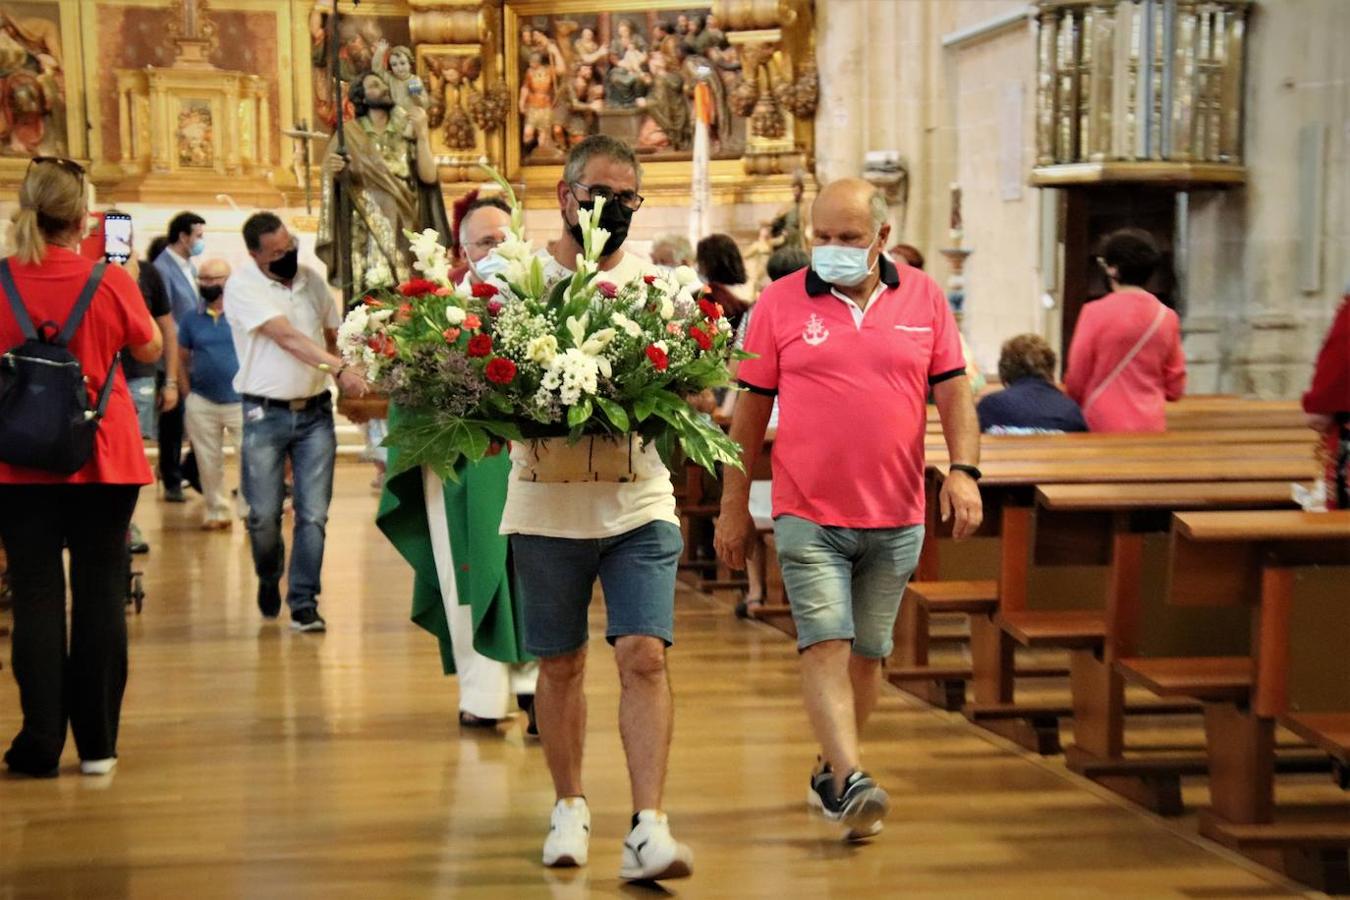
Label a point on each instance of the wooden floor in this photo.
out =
(259, 763)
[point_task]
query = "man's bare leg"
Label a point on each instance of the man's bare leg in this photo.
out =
(560, 708)
(646, 715)
(828, 691)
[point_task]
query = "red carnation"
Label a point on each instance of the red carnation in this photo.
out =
(472, 322)
(649, 279)
(384, 345)
(451, 335)
(608, 289)
(710, 309)
(500, 370)
(481, 345)
(416, 287)
(660, 361)
(485, 291)
(701, 337)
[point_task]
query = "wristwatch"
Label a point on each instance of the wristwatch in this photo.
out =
(972, 471)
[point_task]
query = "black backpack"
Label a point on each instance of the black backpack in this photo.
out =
(45, 419)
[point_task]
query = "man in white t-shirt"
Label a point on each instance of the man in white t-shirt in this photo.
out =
(284, 324)
(601, 508)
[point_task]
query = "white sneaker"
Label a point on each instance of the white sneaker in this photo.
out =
(569, 834)
(98, 766)
(650, 853)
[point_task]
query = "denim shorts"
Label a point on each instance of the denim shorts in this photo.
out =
(555, 577)
(143, 396)
(846, 583)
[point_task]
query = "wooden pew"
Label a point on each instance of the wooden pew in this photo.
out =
(1125, 525)
(1008, 490)
(1295, 671)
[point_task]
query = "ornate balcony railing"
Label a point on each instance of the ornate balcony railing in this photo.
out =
(1140, 90)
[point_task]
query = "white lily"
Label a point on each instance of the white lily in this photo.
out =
(515, 249)
(577, 328)
(630, 327)
(596, 343)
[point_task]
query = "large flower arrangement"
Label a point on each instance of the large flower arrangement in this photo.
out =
(518, 358)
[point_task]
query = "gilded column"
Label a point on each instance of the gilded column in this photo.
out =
(262, 130)
(1047, 40)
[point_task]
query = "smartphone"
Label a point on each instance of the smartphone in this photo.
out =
(117, 237)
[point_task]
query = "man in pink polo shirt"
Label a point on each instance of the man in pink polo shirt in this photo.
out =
(850, 347)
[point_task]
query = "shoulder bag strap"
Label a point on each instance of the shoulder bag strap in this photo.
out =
(1129, 358)
(106, 392)
(81, 305)
(16, 302)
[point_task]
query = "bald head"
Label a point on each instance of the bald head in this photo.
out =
(851, 213)
(211, 278)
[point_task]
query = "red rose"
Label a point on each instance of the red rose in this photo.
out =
(607, 289)
(416, 287)
(485, 291)
(660, 361)
(472, 322)
(710, 309)
(500, 370)
(451, 335)
(494, 307)
(649, 279)
(480, 345)
(701, 337)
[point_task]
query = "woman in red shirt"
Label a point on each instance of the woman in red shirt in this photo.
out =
(1126, 361)
(1327, 404)
(42, 513)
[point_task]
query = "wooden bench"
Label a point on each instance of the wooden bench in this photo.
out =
(1288, 570)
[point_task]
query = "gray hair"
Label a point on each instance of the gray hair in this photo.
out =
(601, 145)
(879, 208)
(678, 244)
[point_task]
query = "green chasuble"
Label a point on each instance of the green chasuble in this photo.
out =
(473, 510)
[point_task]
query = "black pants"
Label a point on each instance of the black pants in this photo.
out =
(82, 684)
(169, 433)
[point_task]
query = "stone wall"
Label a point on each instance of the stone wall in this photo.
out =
(1249, 327)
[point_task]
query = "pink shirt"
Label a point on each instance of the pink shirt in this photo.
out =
(852, 391)
(1134, 400)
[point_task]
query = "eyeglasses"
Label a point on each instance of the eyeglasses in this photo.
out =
(487, 244)
(631, 200)
(69, 165)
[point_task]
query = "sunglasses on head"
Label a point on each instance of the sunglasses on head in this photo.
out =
(69, 165)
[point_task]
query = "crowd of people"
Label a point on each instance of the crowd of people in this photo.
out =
(850, 343)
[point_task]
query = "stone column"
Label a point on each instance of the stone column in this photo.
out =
(841, 123)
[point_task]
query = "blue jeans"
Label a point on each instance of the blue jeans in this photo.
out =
(143, 396)
(271, 436)
(846, 583)
(556, 575)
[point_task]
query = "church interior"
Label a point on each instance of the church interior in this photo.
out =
(1127, 678)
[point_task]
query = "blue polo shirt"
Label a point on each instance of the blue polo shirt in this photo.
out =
(214, 364)
(1029, 405)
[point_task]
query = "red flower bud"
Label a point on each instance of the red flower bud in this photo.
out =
(702, 338)
(649, 279)
(658, 358)
(607, 289)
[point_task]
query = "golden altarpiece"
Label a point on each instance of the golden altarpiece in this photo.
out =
(188, 100)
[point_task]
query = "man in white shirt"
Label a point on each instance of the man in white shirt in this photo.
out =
(601, 508)
(282, 318)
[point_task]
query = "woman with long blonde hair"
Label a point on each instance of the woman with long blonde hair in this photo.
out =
(79, 682)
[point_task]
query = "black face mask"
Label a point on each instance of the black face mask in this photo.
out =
(286, 267)
(211, 292)
(614, 218)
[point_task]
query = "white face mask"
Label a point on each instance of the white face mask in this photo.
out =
(492, 264)
(842, 266)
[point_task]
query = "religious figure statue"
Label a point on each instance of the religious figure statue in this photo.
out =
(628, 59)
(538, 92)
(575, 114)
(668, 124)
(390, 176)
(32, 87)
(790, 227)
(586, 49)
(406, 88)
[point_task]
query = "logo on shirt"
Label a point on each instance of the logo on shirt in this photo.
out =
(815, 333)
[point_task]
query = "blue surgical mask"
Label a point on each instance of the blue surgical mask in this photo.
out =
(492, 264)
(841, 266)
(198, 247)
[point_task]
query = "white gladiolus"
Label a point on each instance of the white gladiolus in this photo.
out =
(515, 249)
(542, 350)
(454, 315)
(378, 275)
(577, 328)
(631, 328)
(667, 308)
(596, 343)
